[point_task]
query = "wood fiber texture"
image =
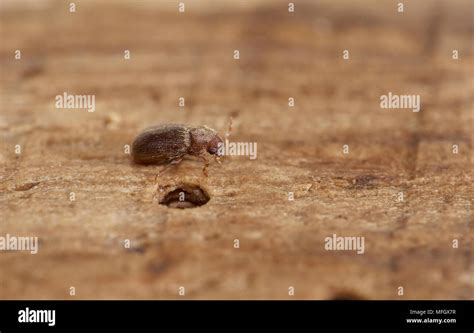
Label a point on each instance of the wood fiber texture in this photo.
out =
(300, 150)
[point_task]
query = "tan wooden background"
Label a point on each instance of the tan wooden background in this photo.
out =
(282, 55)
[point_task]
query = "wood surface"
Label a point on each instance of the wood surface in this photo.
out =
(300, 149)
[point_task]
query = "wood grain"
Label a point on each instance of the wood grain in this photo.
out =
(300, 150)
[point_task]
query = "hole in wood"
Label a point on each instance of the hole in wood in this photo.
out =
(183, 196)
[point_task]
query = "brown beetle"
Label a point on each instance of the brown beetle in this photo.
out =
(168, 144)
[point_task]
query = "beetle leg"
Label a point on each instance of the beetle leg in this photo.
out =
(218, 159)
(206, 164)
(168, 166)
(204, 170)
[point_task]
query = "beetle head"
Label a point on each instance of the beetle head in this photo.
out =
(215, 145)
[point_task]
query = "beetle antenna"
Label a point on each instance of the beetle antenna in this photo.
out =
(229, 129)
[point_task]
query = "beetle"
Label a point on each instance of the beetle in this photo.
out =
(168, 144)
